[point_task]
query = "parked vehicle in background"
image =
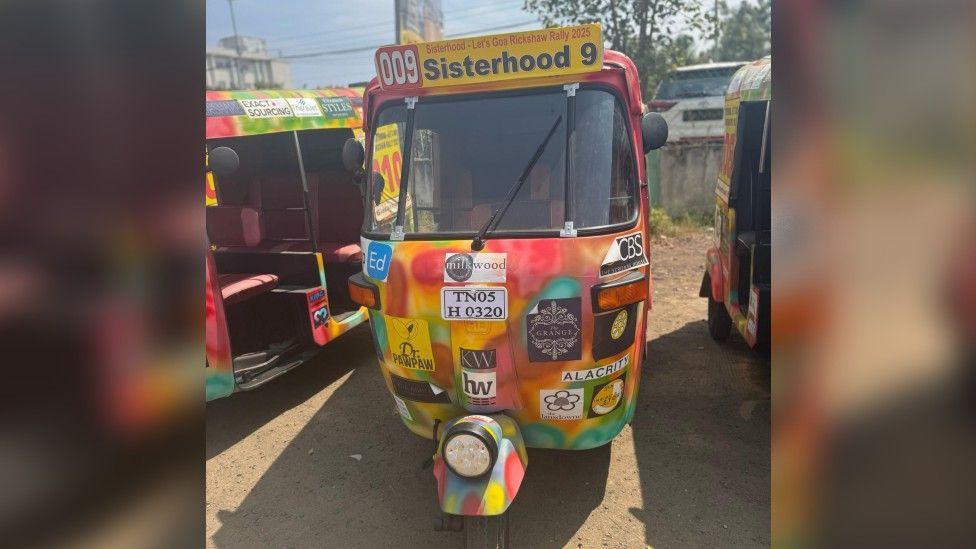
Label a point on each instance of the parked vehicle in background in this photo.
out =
(283, 220)
(691, 100)
(737, 272)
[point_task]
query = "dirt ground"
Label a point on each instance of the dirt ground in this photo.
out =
(320, 457)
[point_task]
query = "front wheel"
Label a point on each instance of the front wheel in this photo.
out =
(719, 321)
(487, 532)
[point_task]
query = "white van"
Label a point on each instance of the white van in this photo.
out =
(692, 99)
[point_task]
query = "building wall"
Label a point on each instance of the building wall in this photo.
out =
(688, 173)
(257, 68)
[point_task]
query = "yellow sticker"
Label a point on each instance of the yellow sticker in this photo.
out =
(619, 325)
(479, 59)
(607, 397)
(409, 341)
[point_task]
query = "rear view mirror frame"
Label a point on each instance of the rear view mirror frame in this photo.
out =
(223, 161)
(654, 131)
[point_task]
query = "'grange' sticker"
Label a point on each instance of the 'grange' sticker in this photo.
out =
(553, 330)
(598, 372)
(465, 267)
(626, 253)
(561, 404)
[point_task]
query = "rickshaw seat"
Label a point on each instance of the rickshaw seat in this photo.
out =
(234, 226)
(340, 252)
(235, 288)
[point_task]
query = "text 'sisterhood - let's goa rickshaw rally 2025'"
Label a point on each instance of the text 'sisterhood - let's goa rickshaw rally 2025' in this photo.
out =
(509, 277)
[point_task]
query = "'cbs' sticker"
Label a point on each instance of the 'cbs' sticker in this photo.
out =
(626, 253)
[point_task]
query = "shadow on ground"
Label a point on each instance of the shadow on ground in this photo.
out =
(326, 497)
(231, 419)
(702, 434)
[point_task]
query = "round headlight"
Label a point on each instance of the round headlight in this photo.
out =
(468, 454)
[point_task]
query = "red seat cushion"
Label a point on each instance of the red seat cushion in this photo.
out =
(235, 288)
(234, 226)
(340, 252)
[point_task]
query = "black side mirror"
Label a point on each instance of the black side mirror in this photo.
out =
(223, 161)
(654, 130)
(378, 184)
(353, 155)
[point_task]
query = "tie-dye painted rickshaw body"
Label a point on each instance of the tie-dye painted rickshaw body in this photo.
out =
(282, 239)
(539, 334)
(737, 278)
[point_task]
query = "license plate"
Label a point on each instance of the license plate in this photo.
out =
(474, 303)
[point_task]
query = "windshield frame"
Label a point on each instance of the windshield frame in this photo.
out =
(619, 103)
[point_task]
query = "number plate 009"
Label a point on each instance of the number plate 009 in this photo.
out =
(474, 303)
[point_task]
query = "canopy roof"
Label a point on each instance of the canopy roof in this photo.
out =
(255, 112)
(753, 82)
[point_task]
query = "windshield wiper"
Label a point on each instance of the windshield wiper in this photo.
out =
(479, 240)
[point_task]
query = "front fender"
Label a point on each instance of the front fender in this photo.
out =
(493, 493)
(715, 274)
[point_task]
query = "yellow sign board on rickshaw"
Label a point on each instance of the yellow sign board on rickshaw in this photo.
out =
(493, 58)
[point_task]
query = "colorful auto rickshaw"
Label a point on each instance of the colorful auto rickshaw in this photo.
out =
(283, 222)
(737, 272)
(506, 254)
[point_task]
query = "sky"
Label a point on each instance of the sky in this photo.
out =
(295, 27)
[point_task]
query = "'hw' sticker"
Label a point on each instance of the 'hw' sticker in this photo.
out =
(479, 387)
(626, 253)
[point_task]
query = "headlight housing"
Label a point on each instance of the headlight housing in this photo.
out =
(469, 450)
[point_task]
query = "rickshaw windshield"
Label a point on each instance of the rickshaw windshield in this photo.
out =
(468, 152)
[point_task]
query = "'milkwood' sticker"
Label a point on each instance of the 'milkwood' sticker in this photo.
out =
(465, 267)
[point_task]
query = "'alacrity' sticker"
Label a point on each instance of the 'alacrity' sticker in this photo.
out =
(598, 372)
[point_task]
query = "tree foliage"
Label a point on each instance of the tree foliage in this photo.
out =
(655, 33)
(744, 33)
(645, 30)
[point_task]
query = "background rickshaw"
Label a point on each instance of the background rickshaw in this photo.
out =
(506, 262)
(283, 221)
(737, 272)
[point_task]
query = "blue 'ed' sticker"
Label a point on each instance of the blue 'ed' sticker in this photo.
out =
(378, 257)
